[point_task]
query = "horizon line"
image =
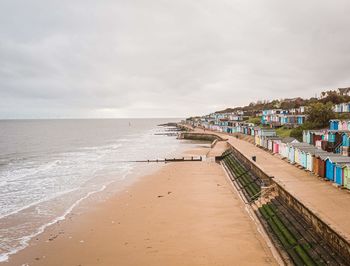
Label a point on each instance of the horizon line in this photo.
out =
(89, 118)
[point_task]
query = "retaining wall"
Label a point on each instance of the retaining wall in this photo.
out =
(333, 238)
(199, 136)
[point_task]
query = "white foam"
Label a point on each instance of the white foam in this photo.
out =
(44, 179)
(25, 240)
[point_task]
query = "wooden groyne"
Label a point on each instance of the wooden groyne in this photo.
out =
(167, 160)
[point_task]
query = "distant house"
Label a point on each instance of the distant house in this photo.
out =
(279, 117)
(342, 108)
(344, 91)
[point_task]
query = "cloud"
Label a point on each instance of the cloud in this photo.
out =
(164, 58)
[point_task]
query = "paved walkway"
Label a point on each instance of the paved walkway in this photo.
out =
(330, 203)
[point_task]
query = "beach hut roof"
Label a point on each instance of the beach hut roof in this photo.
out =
(307, 148)
(339, 159)
(317, 152)
(343, 165)
(289, 140)
(300, 144)
(273, 137)
(328, 155)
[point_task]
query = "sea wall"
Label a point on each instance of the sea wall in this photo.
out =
(199, 136)
(255, 169)
(330, 235)
(333, 238)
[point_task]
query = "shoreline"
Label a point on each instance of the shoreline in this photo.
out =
(78, 231)
(80, 206)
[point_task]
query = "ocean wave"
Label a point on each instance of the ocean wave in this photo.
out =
(37, 203)
(24, 241)
(29, 183)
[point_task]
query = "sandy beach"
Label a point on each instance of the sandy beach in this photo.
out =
(183, 214)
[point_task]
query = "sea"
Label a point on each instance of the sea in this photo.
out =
(49, 167)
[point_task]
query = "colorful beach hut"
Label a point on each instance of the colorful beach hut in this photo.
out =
(346, 176)
(283, 146)
(294, 151)
(320, 164)
(333, 164)
(311, 158)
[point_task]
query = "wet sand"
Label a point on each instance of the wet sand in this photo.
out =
(184, 214)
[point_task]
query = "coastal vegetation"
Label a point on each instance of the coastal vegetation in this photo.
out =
(283, 132)
(337, 96)
(254, 120)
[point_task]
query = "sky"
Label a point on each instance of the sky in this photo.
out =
(162, 58)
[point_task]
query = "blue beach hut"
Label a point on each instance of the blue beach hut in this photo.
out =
(339, 174)
(334, 124)
(331, 163)
(329, 169)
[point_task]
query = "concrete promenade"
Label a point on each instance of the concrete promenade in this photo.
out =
(331, 204)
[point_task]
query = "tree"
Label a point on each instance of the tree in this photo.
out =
(254, 120)
(319, 114)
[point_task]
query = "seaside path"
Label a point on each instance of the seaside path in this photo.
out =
(328, 202)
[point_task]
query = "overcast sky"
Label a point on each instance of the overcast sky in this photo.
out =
(159, 58)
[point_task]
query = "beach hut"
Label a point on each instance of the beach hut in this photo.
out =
(297, 154)
(312, 136)
(331, 135)
(311, 158)
(275, 145)
(308, 160)
(331, 167)
(283, 148)
(346, 176)
(306, 135)
(304, 157)
(345, 139)
(338, 175)
(316, 136)
(268, 132)
(314, 165)
(270, 142)
(334, 124)
(320, 165)
(344, 125)
(291, 153)
(294, 152)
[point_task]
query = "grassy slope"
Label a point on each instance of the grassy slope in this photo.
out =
(283, 132)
